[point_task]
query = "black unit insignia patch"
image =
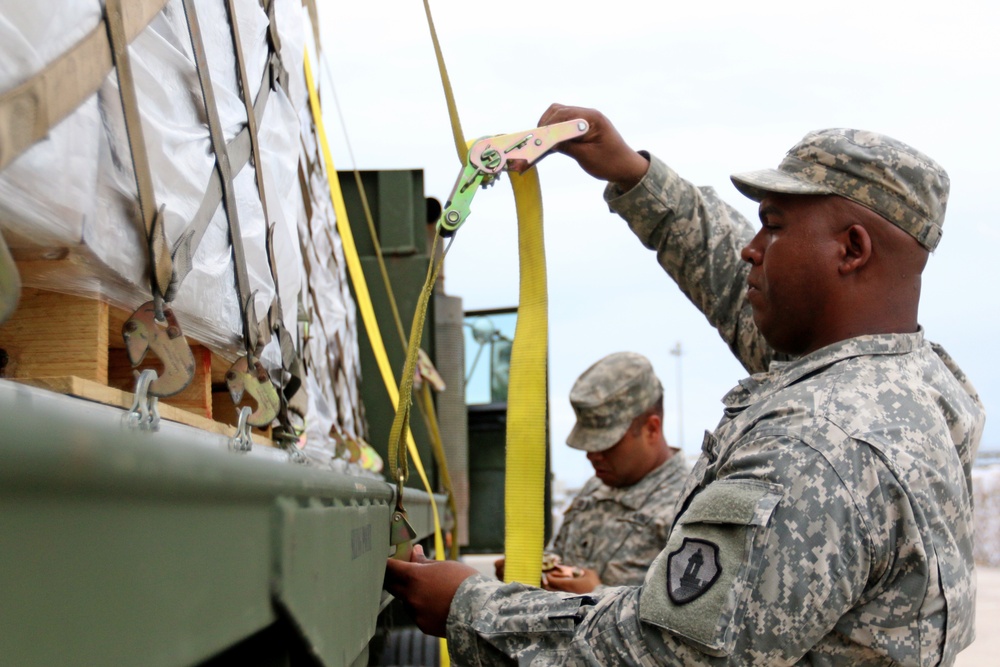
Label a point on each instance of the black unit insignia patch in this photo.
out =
(692, 569)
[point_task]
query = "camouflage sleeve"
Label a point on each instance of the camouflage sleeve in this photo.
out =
(761, 565)
(765, 561)
(697, 238)
(491, 623)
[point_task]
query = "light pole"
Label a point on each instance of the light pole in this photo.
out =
(677, 352)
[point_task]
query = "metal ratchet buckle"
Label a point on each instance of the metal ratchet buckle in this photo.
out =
(490, 155)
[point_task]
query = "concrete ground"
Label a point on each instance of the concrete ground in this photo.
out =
(985, 650)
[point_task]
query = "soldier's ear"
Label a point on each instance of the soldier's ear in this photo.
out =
(855, 249)
(652, 425)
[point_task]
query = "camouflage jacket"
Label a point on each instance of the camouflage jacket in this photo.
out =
(827, 521)
(618, 532)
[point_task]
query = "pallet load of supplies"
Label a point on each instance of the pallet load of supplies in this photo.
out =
(162, 154)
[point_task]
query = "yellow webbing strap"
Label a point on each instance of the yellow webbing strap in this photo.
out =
(424, 399)
(363, 297)
(426, 402)
(526, 394)
(449, 96)
(526, 403)
(401, 421)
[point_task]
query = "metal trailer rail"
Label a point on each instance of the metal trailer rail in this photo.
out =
(124, 547)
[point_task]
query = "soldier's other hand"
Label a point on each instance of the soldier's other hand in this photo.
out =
(426, 588)
(570, 579)
(498, 565)
(601, 152)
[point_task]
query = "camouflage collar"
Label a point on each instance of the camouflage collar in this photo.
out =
(786, 373)
(634, 497)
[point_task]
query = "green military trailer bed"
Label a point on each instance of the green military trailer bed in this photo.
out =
(120, 546)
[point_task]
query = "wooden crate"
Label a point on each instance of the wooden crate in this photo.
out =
(73, 345)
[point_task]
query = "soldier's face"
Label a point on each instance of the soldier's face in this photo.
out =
(623, 464)
(793, 265)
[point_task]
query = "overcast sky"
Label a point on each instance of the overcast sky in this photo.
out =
(712, 87)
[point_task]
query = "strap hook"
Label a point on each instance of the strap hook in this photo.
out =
(144, 414)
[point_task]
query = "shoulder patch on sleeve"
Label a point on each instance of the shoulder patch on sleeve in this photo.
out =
(698, 586)
(692, 569)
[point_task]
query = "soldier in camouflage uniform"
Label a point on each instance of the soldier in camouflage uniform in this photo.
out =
(620, 520)
(828, 519)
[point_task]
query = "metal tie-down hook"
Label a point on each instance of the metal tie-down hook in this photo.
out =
(241, 440)
(144, 331)
(240, 380)
(144, 414)
(401, 533)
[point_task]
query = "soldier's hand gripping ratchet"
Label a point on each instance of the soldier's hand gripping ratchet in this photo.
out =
(491, 155)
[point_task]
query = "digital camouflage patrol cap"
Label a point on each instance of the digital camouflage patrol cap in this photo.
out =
(895, 180)
(608, 396)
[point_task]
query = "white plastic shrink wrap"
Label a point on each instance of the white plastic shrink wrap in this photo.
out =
(69, 208)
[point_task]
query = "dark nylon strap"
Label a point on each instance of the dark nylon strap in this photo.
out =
(161, 269)
(241, 73)
(290, 360)
(314, 21)
(281, 75)
(250, 328)
(30, 110)
(238, 150)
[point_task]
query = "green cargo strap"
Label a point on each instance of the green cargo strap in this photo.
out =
(461, 146)
(364, 303)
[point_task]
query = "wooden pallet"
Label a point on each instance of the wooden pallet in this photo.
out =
(73, 345)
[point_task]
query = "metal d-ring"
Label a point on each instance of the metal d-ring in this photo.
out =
(241, 440)
(144, 414)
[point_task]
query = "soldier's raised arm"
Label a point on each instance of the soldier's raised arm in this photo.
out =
(697, 236)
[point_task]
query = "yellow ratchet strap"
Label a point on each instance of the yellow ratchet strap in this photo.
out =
(363, 296)
(401, 421)
(456, 126)
(425, 401)
(524, 505)
(524, 501)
